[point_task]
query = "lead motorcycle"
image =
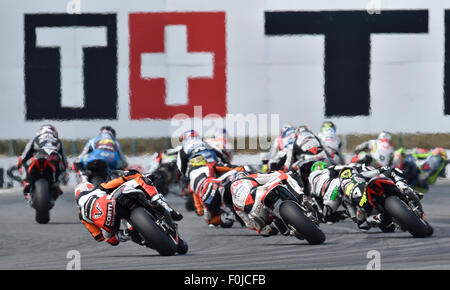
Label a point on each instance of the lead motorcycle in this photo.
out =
(41, 174)
(155, 226)
(293, 214)
(403, 210)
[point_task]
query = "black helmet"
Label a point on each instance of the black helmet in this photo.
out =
(108, 129)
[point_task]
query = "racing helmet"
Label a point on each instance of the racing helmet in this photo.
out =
(319, 165)
(284, 128)
(326, 126)
(440, 152)
(302, 128)
(220, 133)
(189, 134)
(237, 175)
(385, 135)
(108, 130)
(48, 129)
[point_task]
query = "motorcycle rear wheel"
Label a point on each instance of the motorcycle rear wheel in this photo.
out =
(153, 235)
(41, 201)
(405, 217)
(293, 216)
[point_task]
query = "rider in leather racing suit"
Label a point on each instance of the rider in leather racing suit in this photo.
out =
(46, 138)
(281, 149)
(213, 201)
(331, 142)
(378, 151)
(200, 162)
(307, 146)
(248, 191)
(421, 167)
(96, 206)
(219, 140)
(345, 185)
(104, 144)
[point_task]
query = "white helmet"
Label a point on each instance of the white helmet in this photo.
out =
(385, 135)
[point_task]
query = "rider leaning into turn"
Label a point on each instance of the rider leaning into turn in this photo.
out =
(379, 151)
(97, 207)
(248, 191)
(345, 185)
(331, 142)
(200, 163)
(422, 167)
(46, 138)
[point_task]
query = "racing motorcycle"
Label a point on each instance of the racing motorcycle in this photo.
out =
(165, 171)
(153, 223)
(41, 174)
(291, 211)
(98, 166)
(403, 209)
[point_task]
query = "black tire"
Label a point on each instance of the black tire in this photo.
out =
(293, 216)
(97, 180)
(153, 235)
(41, 201)
(182, 247)
(405, 217)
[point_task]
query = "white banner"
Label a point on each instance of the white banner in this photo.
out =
(365, 65)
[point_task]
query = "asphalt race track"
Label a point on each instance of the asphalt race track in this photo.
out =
(24, 244)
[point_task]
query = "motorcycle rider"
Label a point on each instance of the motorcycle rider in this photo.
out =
(104, 144)
(220, 140)
(422, 167)
(345, 185)
(307, 146)
(213, 201)
(376, 152)
(192, 146)
(331, 142)
(248, 191)
(46, 138)
(96, 206)
(281, 149)
(197, 161)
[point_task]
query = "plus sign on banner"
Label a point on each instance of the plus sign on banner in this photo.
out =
(177, 61)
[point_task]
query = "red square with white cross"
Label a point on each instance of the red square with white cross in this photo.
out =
(177, 62)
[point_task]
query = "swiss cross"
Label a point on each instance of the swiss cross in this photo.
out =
(176, 65)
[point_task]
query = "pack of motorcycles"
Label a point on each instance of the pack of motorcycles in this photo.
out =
(301, 216)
